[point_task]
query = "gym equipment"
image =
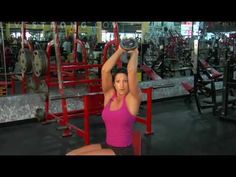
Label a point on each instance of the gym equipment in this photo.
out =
(137, 143)
(10, 64)
(43, 87)
(31, 84)
(25, 58)
(3, 91)
(4, 84)
(229, 83)
(40, 63)
(129, 44)
(40, 114)
(149, 71)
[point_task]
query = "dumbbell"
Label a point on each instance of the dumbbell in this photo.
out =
(128, 44)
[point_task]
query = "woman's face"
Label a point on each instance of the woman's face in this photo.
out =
(121, 84)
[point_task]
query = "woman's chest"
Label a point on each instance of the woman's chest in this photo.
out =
(116, 105)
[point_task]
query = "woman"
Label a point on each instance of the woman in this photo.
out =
(122, 98)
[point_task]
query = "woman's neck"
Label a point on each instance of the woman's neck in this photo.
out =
(119, 96)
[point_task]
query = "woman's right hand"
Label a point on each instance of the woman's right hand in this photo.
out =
(121, 49)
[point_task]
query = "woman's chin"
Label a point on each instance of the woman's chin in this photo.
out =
(122, 92)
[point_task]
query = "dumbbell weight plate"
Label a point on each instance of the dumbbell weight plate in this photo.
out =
(129, 44)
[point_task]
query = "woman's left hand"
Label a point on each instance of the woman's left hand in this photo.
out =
(133, 52)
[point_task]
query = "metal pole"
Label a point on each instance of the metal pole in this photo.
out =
(65, 120)
(76, 29)
(23, 37)
(4, 56)
(225, 94)
(58, 56)
(117, 41)
(196, 72)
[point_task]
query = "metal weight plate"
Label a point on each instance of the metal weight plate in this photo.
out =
(25, 57)
(40, 63)
(129, 43)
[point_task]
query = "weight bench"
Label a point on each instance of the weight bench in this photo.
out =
(187, 86)
(149, 71)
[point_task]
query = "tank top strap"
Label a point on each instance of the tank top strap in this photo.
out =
(113, 96)
(124, 102)
(111, 99)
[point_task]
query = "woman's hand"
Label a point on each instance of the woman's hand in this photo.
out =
(134, 52)
(121, 49)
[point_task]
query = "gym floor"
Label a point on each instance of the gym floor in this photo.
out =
(178, 130)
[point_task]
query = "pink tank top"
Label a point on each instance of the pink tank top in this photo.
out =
(119, 125)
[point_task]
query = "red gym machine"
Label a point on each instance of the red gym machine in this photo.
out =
(93, 101)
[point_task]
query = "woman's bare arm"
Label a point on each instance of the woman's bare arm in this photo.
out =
(106, 70)
(132, 74)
